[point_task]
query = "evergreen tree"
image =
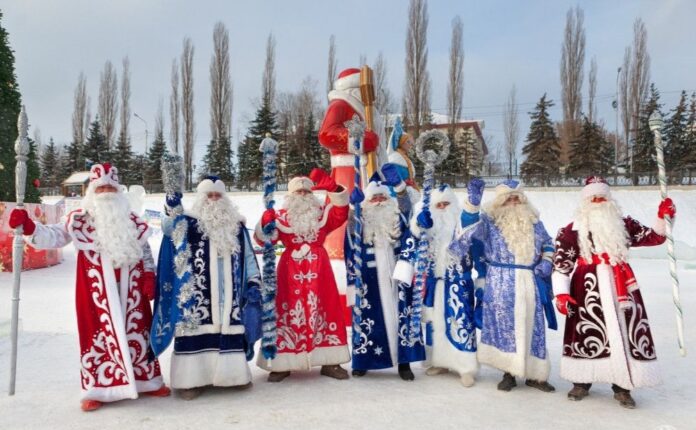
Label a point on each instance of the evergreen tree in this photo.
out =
(452, 166)
(123, 159)
(153, 163)
(10, 104)
(95, 149)
(470, 155)
(690, 157)
(643, 143)
(543, 149)
(50, 165)
(249, 158)
(316, 153)
(675, 140)
(31, 193)
(590, 152)
(72, 159)
(218, 160)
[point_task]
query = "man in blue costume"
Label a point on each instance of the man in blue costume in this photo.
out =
(381, 307)
(449, 291)
(208, 296)
(517, 294)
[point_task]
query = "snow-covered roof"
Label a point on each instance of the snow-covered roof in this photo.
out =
(77, 178)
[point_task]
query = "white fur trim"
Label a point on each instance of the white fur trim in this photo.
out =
(397, 158)
(388, 294)
(560, 283)
(660, 226)
(521, 362)
(442, 353)
(260, 236)
(150, 385)
(595, 189)
(346, 82)
(209, 368)
(342, 160)
(479, 283)
(374, 188)
(300, 183)
(207, 186)
(339, 199)
(401, 187)
(620, 368)
(469, 208)
(403, 271)
(447, 195)
(287, 361)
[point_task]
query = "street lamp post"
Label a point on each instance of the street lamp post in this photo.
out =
(144, 122)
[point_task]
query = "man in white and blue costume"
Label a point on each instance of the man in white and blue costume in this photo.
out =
(517, 293)
(448, 311)
(208, 298)
(383, 336)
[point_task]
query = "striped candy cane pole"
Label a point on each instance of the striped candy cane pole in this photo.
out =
(269, 149)
(656, 127)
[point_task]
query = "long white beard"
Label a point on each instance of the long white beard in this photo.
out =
(219, 222)
(381, 222)
(304, 213)
(115, 234)
(604, 223)
(516, 224)
(445, 223)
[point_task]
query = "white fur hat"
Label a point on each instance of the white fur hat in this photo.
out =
(347, 79)
(595, 186)
(443, 193)
(104, 174)
(508, 187)
(211, 184)
(300, 183)
(374, 188)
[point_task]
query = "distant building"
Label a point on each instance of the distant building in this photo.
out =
(76, 184)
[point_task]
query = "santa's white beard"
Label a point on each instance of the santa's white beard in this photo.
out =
(604, 223)
(516, 224)
(218, 220)
(304, 212)
(115, 234)
(381, 221)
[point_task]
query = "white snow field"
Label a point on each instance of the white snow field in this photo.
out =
(48, 380)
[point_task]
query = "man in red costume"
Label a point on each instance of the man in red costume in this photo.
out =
(115, 281)
(607, 334)
(310, 326)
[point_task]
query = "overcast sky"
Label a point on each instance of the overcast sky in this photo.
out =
(505, 42)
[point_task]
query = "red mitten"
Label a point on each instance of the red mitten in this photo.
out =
(21, 217)
(666, 209)
(562, 301)
(370, 141)
(268, 216)
(149, 285)
(322, 181)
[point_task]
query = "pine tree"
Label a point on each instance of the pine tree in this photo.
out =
(543, 149)
(31, 193)
(453, 164)
(95, 149)
(218, 160)
(690, 157)
(249, 158)
(72, 160)
(471, 158)
(153, 163)
(10, 103)
(675, 140)
(590, 152)
(123, 159)
(643, 143)
(50, 165)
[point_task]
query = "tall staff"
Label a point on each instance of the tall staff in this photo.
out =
(655, 123)
(22, 151)
(269, 149)
(367, 94)
(431, 159)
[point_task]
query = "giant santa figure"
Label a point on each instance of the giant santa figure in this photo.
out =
(607, 334)
(114, 283)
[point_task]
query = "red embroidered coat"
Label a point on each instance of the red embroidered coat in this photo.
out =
(602, 342)
(113, 314)
(310, 325)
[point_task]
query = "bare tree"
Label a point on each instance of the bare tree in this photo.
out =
(572, 64)
(333, 65)
(220, 85)
(416, 101)
(511, 129)
(623, 99)
(88, 119)
(591, 98)
(187, 107)
(383, 97)
(639, 77)
(79, 118)
(108, 101)
(125, 99)
(159, 119)
(455, 85)
(37, 139)
(174, 108)
(269, 78)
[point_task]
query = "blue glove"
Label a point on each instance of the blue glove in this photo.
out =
(478, 309)
(391, 175)
(173, 200)
(424, 220)
(356, 196)
(475, 190)
(543, 269)
(252, 322)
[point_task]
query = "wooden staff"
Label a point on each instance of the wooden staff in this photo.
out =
(367, 94)
(22, 151)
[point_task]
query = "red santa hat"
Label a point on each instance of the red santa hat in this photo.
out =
(595, 186)
(300, 183)
(347, 79)
(211, 184)
(104, 174)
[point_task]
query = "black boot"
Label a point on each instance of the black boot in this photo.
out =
(358, 372)
(579, 392)
(508, 382)
(623, 396)
(405, 372)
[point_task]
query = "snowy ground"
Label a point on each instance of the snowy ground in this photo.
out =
(48, 372)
